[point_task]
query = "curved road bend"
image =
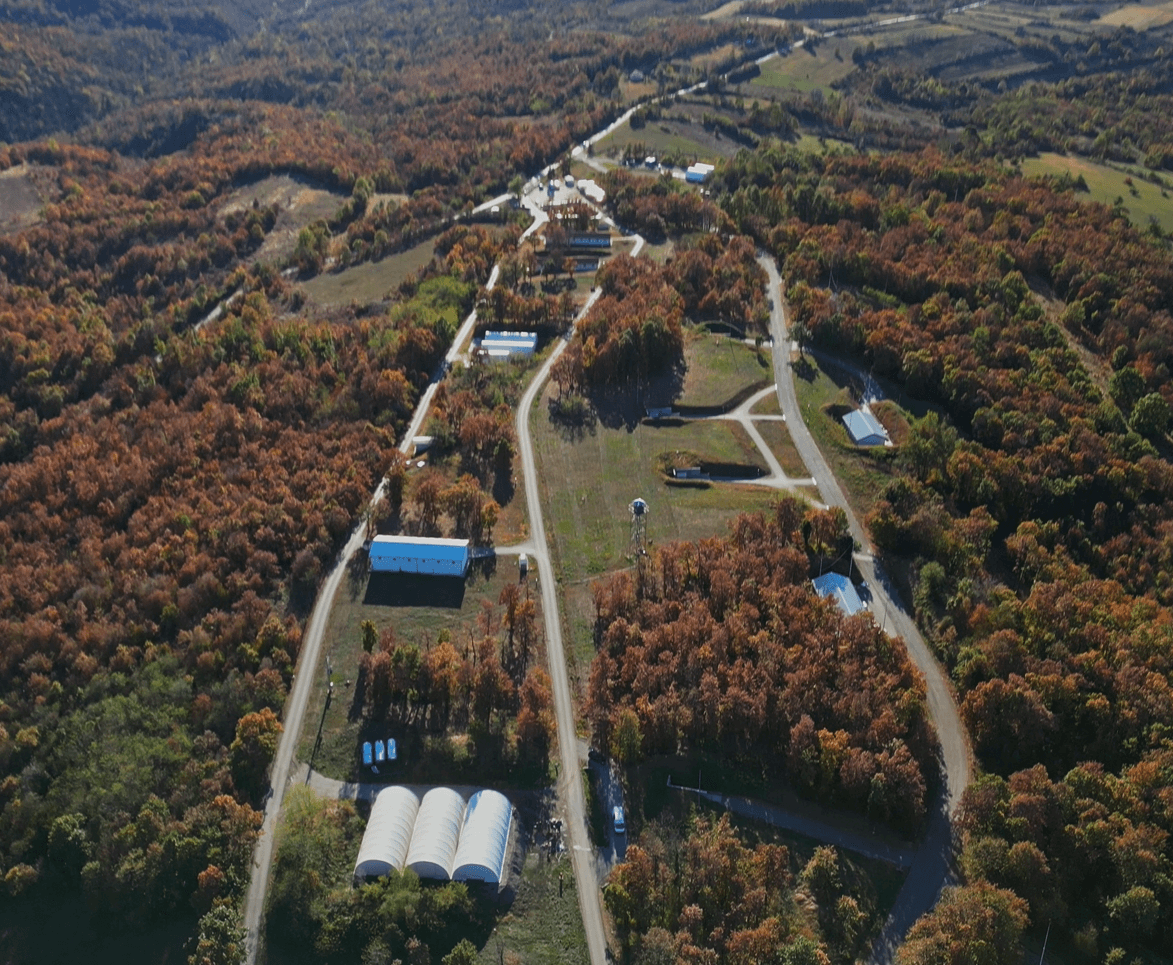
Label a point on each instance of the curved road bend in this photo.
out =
(311, 646)
(932, 866)
(582, 854)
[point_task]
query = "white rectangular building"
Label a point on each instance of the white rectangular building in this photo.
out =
(418, 554)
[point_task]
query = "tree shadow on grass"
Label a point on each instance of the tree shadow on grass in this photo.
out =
(414, 590)
(626, 405)
(805, 369)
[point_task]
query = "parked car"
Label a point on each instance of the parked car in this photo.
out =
(380, 752)
(617, 820)
(392, 749)
(367, 755)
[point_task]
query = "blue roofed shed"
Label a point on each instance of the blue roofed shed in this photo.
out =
(841, 590)
(865, 429)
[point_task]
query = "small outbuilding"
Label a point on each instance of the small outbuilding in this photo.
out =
(841, 590)
(417, 554)
(865, 429)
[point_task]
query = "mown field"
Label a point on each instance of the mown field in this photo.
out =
(370, 281)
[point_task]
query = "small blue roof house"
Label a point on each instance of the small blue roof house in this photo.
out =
(865, 429)
(841, 590)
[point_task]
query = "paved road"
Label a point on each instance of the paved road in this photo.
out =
(311, 646)
(570, 774)
(932, 866)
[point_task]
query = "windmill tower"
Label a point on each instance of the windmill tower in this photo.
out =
(639, 524)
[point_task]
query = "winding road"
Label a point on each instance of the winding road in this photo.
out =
(932, 866)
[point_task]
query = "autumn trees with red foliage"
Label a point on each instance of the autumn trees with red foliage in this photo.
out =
(721, 646)
(1036, 501)
(695, 891)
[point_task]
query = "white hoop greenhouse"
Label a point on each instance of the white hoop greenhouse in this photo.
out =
(484, 838)
(388, 834)
(437, 832)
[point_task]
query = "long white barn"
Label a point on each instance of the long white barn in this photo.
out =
(417, 554)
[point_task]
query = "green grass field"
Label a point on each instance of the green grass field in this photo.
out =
(861, 473)
(777, 437)
(660, 138)
(370, 281)
(1106, 184)
(804, 70)
(588, 483)
(720, 369)
(447, 609)
(542, 926)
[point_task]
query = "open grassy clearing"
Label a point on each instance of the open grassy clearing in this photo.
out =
(721, 370)
(777, 437)
(299, 203)
(1139, 16)
(811, 144)
(589, 478)
(419, 609)
(805, 70)
(668, 136)
(863, 473)
(1106, 184)
(730, 9)
(370, 281)
(543, 925)
(767, 405)
(578, 638)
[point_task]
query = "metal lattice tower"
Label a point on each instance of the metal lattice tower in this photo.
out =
(639, 524)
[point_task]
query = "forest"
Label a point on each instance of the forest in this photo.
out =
(722, 646)
(695, 890)
(1033, 500)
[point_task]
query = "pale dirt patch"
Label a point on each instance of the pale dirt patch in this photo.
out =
(20, 203)
(299, 204)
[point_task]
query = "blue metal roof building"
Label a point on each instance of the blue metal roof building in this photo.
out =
(416, 554)
(865, 428)
(841, 590)
(504, 344)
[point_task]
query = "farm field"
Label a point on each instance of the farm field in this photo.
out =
(1106, 184)
(370, 281)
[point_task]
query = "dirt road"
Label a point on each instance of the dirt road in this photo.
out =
(932, 866)
(570, 771)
